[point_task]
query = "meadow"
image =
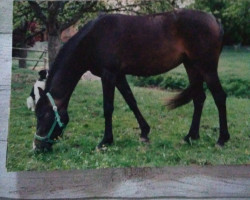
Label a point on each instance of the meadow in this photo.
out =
(85, 129)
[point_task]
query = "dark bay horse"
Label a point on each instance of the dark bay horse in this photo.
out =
(112, 46)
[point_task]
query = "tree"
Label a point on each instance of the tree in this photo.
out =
(58, 16)
(234, 15)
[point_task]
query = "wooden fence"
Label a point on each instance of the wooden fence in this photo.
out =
(42, 58)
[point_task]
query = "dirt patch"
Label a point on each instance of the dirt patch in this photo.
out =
(37, 68)
(89, 76)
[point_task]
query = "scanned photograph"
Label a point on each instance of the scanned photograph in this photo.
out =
(129, 83)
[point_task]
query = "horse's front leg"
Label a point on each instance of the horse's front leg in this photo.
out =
(127, 94)
(108, 86)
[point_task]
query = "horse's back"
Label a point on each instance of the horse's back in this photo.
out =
(152, 44)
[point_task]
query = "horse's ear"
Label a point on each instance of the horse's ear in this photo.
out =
(41, 92)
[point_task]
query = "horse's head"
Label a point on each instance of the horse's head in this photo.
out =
(51, 121)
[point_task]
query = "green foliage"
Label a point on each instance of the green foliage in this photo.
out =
(237, 87)
(169, 81)
(157, 6)
(22, 16)
(78, 11)
(234, 15)
(22, 13)
(237, 17)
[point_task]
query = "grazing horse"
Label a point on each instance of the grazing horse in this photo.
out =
(112, 46)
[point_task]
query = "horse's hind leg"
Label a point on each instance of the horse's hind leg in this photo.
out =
(127, 94)
(219, 96)
(198, 96)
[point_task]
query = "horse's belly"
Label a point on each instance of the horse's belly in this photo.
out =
(148, 71)
(155, 58)
(151, 66)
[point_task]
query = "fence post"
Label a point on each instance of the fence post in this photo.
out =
(45, 62)
(22, 54)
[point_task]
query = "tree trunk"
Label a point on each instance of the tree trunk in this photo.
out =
(22, 54)
(54, 44)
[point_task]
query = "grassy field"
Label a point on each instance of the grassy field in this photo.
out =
(85, 129)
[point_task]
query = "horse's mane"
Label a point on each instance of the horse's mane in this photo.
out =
(67, 51)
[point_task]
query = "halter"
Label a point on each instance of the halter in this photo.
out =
(56, 121)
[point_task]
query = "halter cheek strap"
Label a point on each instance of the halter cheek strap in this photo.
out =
(56, 121)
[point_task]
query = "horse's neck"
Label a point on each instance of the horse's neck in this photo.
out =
(63, 84)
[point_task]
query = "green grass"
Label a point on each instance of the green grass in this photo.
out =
(85, 130)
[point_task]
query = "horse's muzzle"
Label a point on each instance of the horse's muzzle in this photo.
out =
(41, 146)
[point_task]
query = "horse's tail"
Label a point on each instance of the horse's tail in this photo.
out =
(181, 99)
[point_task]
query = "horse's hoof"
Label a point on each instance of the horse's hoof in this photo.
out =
(44, 150)
(144, 140)
(104, 143)
(188, 140)
(218, 147)
(195, 137)
(221, 141)
(101, 148)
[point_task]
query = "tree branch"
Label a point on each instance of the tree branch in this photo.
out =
(124, 7)
(85, 8)
(38, 11)
(55, 7)
(62, 4)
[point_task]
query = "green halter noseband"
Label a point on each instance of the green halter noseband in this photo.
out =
(56, 121)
